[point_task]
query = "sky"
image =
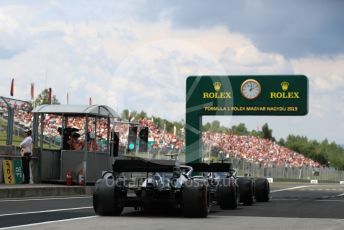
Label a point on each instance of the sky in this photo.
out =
(137, 54)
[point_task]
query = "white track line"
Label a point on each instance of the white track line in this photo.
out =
(292, 188)
(47, 222)
(329, 200)
(44, 211)
(50, 198)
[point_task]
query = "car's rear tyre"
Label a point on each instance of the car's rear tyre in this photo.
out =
(246, 189)
(228, 195)
(106, 198)
(195, 199)
(262, 190)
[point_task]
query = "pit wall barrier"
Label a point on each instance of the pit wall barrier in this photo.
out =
(52, 165)
(13, 153)
(96, 163)
(56, 163)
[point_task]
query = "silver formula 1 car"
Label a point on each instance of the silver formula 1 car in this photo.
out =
(191, 188)
(248, 189)
(149, 184)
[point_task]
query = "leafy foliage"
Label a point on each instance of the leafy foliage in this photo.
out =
(267, 133)
(43, 98)
(329, 154)
(215, 126)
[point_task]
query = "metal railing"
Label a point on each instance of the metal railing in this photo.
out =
(286, 173)
(244, 167)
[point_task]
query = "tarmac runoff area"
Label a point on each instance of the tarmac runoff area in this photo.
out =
(292, 206)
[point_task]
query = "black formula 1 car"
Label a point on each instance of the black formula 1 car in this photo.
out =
(248, 188)
(145, 184)
(253, 189)
(149, 184)
(223, 185)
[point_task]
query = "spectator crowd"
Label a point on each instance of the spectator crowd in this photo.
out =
(252, 149)
(256, 150)
(161, 139)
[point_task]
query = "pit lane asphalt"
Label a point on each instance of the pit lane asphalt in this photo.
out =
(292, 206)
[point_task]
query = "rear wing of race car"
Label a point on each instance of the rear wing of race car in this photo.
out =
(142, 165)
(212, 167)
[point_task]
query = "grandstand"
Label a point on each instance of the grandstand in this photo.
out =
(256, 150)
(260, 157)
(23, 118)
(251, 149)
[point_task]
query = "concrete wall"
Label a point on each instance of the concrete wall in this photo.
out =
(48, 163)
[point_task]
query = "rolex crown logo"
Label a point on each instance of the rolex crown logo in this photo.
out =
(217, 86)
(285, 85)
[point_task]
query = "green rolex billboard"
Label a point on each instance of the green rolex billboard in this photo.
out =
(270, 95)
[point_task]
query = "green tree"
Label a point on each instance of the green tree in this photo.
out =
(206, 127)
(329, 154)
(43, 98)
(141, 115)
(267, 133)
(215, 126)
(128, 115)
(125, 114)
(281, 142)
(239, 129)
(255, 133)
